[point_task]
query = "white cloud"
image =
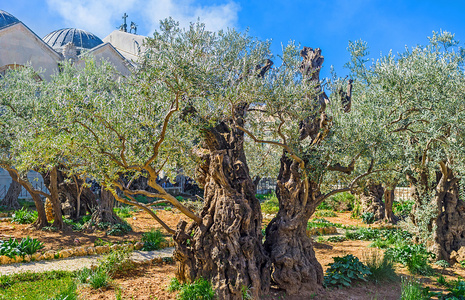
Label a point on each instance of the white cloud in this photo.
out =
(101, 16)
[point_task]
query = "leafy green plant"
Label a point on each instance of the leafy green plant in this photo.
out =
(12, 247)
(368, 218)
(442, 264)
(174, 285)
(325, 213)
(99, 278)
(319, 223)
(402, 208)
(123, 211)
(271, 204)
(340, 202)
(364, 234)
(152, 240)
(119, 228)
(336, 239)
(69, 293)
(24, 216)
(380, 266)
(462, 263)
(415, 257)
(344, 271)
(83, 275)
(412, 290)
(456, 290)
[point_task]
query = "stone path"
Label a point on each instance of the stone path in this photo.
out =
(76, 263)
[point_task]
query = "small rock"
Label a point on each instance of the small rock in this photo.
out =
(37, 257)
(80, 251)
(50, 254)
(66, 253)
(4, 260)
(100, 249)
(90, 250)
(138, 245)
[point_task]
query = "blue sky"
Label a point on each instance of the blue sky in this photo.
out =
(329, 25)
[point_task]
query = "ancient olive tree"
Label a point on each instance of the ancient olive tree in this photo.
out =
(324, 142)
(421, 95)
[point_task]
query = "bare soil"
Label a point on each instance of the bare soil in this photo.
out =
(150, 282)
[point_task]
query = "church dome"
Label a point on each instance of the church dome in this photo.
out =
(7, 19)
(80, 38)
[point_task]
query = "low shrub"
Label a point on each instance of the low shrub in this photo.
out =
(339, 202)
(402, 208)
(24, 216)
(415, 257)
(380, 266)
(325, 214)
(123, 211)
(368, 217)
(99, 278)
(336, 239)
(344, 271)
(115, 262)
(319, 223)
(152, 240)
(119, 229)
(12, 247)
(363, 234)
(412, 290)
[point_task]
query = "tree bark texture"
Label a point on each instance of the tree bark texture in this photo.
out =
(389, 215)
(449, 226)
(41, 221)
(226, 247)
(11, 198)
(105, 213)
(295, 267)
(372, 201)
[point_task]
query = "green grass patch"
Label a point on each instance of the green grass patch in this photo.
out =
(325, 214)
(38, 286)
(270, 204)
(152, 240)
(381, 267)
(201, 289)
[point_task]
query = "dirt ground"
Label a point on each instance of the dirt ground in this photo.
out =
(140, 222)
(150, 282)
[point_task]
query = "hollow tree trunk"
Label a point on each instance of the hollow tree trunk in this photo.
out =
(372, 201)
(389, 215)
(74, 197)
(295, 267)
(449, 226)
(11, 198)
(227, 247)
(105, 213)
(41, 221)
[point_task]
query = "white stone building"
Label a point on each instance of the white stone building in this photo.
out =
(20, 46)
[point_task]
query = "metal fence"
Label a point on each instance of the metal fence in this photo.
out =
(268, 185)
(24, 194)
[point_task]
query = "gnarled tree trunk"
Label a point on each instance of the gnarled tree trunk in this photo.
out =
(449, 226)
(105, 213)
(389, 215)
(372, 201)
(41, 221)
(11, 198)
(295, 267)
(227, 246)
